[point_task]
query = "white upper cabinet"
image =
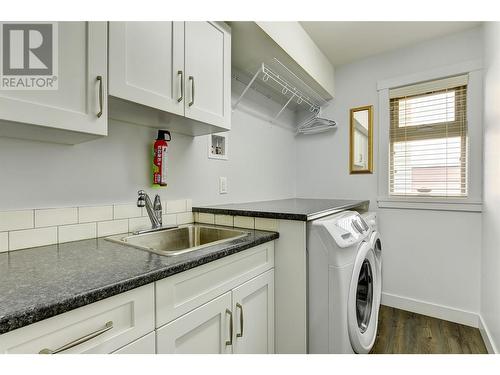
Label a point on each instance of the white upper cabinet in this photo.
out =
(146, 63)
(77, 110)
(208, 73)
(178, 72)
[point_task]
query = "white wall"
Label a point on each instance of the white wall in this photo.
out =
(112, 169)
(490, 272)
(430, 258)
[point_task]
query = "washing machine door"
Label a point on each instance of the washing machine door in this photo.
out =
(376, 245)
(364, 300)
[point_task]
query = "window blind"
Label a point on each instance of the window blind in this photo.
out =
(428, 139)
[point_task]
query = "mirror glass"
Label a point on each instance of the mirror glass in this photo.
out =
(361, 140)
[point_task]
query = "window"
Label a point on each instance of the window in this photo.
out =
(428, 139)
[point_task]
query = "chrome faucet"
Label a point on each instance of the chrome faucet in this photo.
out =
(154, 210)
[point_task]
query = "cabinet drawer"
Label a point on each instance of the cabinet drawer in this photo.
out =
(144, 345)
(178, 294)
(131, 315)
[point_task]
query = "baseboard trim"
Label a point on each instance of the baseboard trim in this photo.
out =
(485, 334)
(467, 318)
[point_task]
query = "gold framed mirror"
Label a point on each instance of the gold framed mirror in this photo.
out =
(361, 140)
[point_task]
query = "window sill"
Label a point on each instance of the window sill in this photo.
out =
(434, 204)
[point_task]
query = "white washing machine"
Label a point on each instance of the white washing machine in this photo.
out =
(344, 283)
(370, 219)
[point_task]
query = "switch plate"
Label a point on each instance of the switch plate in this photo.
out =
(222, 185)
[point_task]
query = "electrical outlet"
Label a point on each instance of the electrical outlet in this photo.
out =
(222, 185)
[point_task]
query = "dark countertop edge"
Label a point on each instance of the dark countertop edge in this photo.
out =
(263, 214)
(320, 214)
(24, 318)
(278, 215)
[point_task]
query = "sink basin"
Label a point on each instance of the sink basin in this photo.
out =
(180, 240)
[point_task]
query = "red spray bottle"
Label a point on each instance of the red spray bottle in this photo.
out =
(160, 157)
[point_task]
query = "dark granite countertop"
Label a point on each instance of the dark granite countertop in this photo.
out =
(41, 282)
(300, 209)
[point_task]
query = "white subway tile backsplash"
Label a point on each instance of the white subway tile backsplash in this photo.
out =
(96, 213)
(177, 206)
(15, 220)
(262, 223)
(125, 211)
(4, 241)
(108, 228)
(205, 218)
(139, 223)
(56, 216)
(244, 222)
(22, 239)
(163, 209)
(185, 218)
(38, 227)
(77, 232)
(226, 220)
(170, 219)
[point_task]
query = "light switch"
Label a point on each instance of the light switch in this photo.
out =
(222, 185)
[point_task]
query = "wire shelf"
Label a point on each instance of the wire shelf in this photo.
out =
(295, 95)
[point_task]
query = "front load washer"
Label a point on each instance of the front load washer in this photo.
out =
(370, 218)
(344, 285)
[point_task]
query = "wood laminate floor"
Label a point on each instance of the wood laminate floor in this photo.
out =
(404, 332)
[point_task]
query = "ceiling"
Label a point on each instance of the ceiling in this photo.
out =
(343, 42)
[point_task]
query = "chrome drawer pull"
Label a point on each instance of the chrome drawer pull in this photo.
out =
(238, 306)
(191, 79)
(181, 86)
(99, 114)
(230, 341)
(81, 340)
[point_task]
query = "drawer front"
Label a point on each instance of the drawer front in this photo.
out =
(144, 345)
(181, 293)
(101, 327)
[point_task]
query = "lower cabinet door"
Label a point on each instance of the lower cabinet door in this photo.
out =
(253, 307)
(144, 345)
(206, 329)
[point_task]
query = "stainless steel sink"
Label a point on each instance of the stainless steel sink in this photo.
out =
(179, 240)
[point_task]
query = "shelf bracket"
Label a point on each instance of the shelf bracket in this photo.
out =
(283, 108)
(246, 89)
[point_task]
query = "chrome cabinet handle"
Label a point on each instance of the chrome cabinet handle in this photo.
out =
(238, 306)
(180, 74)
(99, 114)
(81, 340)
(191, 79)
(230, 341)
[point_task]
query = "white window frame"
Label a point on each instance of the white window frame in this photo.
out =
(473, 202)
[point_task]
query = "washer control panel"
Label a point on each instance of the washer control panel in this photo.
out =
(347, 228)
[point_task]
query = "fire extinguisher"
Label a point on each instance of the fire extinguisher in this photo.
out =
(160, 157)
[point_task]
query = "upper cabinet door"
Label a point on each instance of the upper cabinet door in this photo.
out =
(79, 103)
(146, 64)
(208, 73)
(253, 309)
